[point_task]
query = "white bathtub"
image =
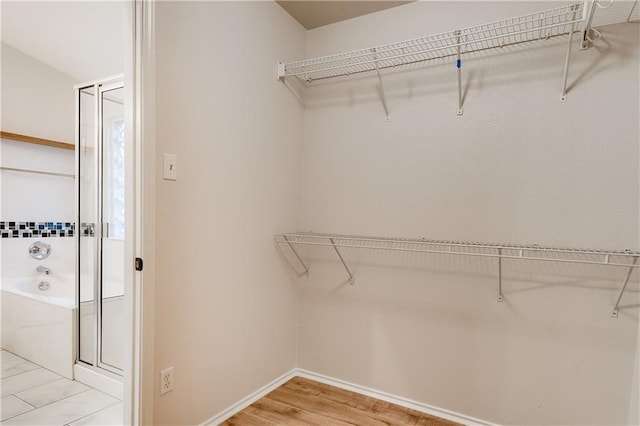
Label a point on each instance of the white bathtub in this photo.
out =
(40, 325)
(60, 293)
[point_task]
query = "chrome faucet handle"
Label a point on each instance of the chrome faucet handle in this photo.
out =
(39, 250)
(44, 269)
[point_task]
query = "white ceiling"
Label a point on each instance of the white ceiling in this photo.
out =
(83, 39)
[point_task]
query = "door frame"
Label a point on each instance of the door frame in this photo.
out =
(139, 83)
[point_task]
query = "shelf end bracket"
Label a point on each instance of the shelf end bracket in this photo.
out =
(614, 312)
(281, 71)
(588, 10)
(563, 95)
(500, 295)
(306, 270)
(351, 279)
(382, 95)
(459, 67)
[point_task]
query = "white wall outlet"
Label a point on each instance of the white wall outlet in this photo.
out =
(170, 167)
(166, 380)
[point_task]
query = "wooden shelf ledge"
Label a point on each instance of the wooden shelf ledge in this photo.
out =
(37, 141)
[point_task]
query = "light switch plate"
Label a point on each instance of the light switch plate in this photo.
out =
(170, 167)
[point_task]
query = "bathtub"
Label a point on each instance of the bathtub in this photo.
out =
(39, 325)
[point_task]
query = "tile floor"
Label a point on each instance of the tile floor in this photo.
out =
(32, 395)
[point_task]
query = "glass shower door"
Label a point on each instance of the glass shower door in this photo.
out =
(101, 217)
(87, 243)
(112, 324)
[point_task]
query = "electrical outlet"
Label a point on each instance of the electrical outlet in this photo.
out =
(166, 380)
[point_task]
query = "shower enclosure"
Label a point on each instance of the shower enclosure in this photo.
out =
(100, 219)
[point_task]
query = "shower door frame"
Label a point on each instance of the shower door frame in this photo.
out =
(98, 87)
(139, 79)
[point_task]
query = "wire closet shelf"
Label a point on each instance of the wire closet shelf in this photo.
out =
(612, 258)
(534, 26)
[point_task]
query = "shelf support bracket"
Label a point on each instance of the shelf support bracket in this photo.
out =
(588, 10)
(382, 95)
(459, 66)
(563, 96)
(500, 296)
(351, 279)
(614, 312)
(306, 270)
(281, 71)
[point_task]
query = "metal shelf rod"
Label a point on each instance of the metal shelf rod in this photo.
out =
(398, 56)
(461, 253)
(36, 172)
(535, 248)
(453, 248)
(419, 41)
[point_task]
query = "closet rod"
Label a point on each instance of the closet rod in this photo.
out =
(531, 27)
(499, 251)
(37, 172)
(445, 48)
(447, 247)
(463, 253)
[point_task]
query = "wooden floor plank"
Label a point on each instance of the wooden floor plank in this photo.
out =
(280, 413)
(306, 402)
(380, 409)
(310, 388)
(246, 419)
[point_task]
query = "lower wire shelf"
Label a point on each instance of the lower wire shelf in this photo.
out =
(610, 258)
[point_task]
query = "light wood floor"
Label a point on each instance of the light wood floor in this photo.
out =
(306, 402)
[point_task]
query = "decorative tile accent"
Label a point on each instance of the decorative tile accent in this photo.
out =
(11, 229)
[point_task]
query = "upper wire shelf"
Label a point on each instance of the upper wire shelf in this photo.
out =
(534, 26)
(615, 258)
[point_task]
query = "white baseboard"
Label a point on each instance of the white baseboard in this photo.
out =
(297, 372)
(249, 399)
(397, 400)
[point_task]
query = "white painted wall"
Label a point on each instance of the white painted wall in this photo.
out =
(517, 167)
(225, 307)
(37, 100)
(35, 197)
(81, 39)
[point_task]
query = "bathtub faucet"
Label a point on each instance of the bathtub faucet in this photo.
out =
(44, 269)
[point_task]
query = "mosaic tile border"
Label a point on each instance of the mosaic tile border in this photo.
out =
(13, 229)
